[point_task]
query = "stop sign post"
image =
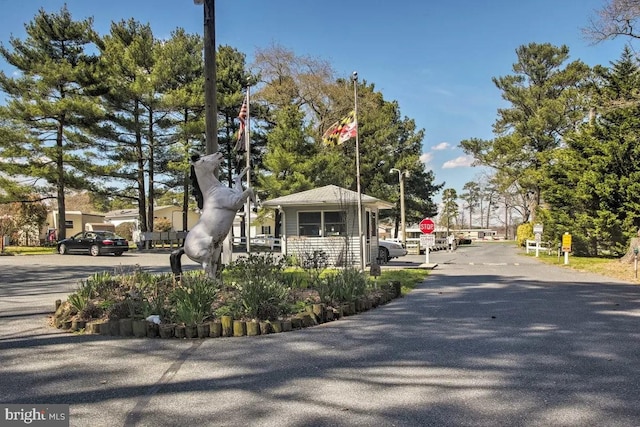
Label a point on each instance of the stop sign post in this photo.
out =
(427, 226)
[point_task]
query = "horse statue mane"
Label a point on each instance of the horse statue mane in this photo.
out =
(218, 207)
(195, 187)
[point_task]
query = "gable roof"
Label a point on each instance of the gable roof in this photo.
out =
(329, 194)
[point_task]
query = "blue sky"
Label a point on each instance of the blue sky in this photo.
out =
(435, 58)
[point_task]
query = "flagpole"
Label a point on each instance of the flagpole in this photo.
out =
(360, 235)
(247, 148)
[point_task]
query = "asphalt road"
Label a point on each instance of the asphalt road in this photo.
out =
(491, 338)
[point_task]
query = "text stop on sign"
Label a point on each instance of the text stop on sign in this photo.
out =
(427, 226)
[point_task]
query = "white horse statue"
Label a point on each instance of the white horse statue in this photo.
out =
(218, 208)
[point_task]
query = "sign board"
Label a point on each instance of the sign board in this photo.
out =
(427, 240)
(427, 226)
(538, 237)
(537, 228)
(566, 242)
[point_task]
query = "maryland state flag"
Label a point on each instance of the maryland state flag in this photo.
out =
(341, 131)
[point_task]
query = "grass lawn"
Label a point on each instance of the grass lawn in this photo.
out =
(28, 250)
(610, 267)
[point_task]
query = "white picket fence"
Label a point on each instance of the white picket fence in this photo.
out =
(532, 245)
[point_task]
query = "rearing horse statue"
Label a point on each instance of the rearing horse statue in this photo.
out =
(220, 204)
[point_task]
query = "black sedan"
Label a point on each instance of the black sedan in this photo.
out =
(94, 243)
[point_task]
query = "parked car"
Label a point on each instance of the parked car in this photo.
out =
(388, 249)
(94, 243)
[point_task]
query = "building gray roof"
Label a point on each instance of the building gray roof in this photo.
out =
(329, 194)
(122, 213)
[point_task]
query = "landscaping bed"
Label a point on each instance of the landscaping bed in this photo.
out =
(256, 295)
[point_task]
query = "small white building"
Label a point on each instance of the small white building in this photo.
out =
(326, 219)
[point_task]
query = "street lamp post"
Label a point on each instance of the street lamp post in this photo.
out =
(403, 223)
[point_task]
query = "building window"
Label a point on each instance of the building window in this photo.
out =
(68, 224)
(335, 224)
(265, 229)
(311, 224)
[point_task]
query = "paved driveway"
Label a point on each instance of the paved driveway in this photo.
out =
(491, 338)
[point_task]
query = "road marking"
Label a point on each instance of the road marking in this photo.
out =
(493, 263)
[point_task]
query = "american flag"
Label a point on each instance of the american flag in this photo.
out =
(242, 116)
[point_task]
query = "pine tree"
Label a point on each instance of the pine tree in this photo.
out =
(134, 105)
(545, 103)
(594, 186)
(51, 104)
(450, 207)
(182, 66)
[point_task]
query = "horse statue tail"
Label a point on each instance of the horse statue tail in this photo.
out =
(176, 263)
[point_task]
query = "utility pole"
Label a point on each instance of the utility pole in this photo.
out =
(210, 101)
(403, 226)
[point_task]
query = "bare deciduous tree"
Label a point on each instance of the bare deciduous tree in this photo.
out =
(616, 18)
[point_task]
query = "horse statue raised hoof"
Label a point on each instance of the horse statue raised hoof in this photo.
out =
(218, 207)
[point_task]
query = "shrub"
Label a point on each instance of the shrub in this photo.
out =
(125, 229)
(524, 233)
(162, 225)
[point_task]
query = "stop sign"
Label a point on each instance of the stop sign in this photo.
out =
(427, 226)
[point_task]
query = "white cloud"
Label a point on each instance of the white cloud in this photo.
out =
(426, 158)
(441, 146)
(458, 162)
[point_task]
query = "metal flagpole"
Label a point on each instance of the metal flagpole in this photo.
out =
(361, 238)
(247, 148)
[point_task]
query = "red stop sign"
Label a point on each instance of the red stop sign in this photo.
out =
(427, 226)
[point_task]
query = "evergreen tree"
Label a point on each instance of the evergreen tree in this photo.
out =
(546, 101)
(595, 185)
(471, 196)
(134, 106)
(287, 158)
(449, 214)
(182, 67)
(233, 80)
(50, 105)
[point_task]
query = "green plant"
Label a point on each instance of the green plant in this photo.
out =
(294, 279)
(229, 309)
(102, 284)
(345, 285)
(106, 304)
(262, 299)
(78, 301)
(260, 285)
(193, 298)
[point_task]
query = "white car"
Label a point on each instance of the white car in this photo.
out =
(388, 249)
